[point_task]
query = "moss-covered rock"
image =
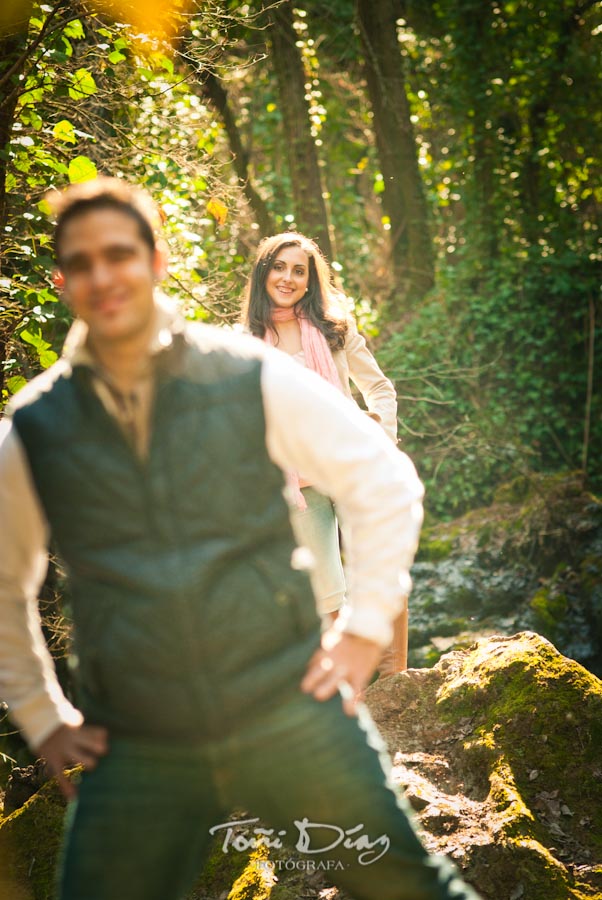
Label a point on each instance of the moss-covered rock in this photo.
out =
(532, 560)
(30, 839)
(499, 748)
(233, 874)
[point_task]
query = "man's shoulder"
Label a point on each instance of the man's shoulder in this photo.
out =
(38, 387)
(216, 352)
(226, 340)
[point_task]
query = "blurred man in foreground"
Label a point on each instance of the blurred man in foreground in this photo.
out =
(153, 453)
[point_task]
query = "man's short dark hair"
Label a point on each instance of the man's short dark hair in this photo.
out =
(105, 193)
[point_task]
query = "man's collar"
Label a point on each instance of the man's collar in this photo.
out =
(168, 321)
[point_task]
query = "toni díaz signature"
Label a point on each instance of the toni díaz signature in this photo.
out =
(369, 851)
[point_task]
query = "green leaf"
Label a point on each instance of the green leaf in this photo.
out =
(46, 354)
(30, 98)
(15, 383)
(81, 169)
(82, 85)
(74, 30)
(36, 340)
(64, 131)
(50, 163)
(116, 56)
(30, 117)
(166, 63)
(47, 358)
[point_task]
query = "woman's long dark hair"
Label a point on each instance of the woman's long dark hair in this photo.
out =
(318, 305)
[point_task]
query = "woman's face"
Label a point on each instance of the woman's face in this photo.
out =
(288, 277)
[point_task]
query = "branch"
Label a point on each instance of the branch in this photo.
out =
(20, 62)
(218, 96)
(227, 317)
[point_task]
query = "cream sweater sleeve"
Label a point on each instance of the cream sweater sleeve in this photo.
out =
(376, 389)
(28, 681)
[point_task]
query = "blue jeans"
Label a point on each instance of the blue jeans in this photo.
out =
(316, 528)
(140, 826)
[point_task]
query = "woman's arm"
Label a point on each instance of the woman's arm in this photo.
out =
(376, 389)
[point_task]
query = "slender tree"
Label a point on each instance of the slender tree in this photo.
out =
(403, 196)
(308, 200)
(214, 90)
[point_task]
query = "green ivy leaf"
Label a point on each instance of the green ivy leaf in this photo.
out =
(64, 131)
(74, 30)
(47, 358)
(35, 340)
(82, 85)
(81, 169)
(15, 383)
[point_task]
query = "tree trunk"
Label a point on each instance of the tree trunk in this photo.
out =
(216, 93)
(403, 196)
(308, 201)
(537, 190)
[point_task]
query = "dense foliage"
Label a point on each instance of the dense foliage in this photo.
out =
(503, 350)
(496, 365)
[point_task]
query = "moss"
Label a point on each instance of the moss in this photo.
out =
(434, 549)
(29, 844)
(220, 872)
(506, 799)
(485, 535)
(30, 840)
(256, 881)
(550, 608)
(537, 726)
(536, 732)
(515, 491)
(423, 657)
(543, 877)
(591, 572)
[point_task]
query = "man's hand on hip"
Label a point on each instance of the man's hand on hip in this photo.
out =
(342, 659)
(72, 745)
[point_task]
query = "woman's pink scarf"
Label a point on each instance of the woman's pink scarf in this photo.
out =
(317, 357)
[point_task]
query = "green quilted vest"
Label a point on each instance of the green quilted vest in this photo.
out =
(187, 614)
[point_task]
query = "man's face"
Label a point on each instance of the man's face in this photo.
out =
(109, 273)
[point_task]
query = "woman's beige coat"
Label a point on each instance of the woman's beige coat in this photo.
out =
(355, 363)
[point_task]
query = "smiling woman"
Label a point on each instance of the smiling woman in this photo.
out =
(292, 305)
(288, 277)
